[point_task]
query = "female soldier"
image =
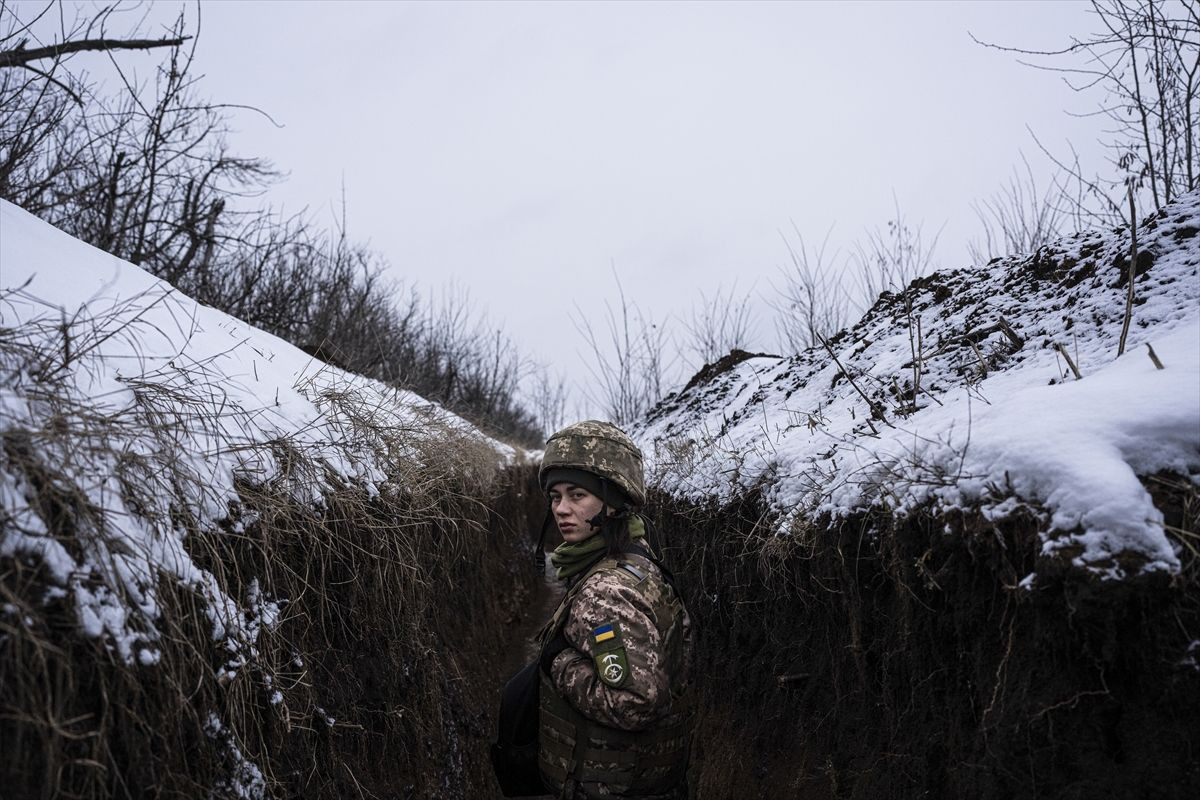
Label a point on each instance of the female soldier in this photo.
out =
(612, 719)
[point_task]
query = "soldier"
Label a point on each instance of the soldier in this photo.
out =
(613, 717)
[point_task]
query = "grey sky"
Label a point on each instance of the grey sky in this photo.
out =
(523, 148)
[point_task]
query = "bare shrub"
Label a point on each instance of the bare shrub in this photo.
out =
(279, 636)
(147, 176)
(633, 358)
(718, 324)
(892, 257)
(1019, 218)
(811, 304)
(548, 398)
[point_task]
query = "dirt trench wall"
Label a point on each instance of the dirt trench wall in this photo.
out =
(873, 659)
(392, 614)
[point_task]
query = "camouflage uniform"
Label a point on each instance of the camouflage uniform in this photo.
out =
(614, 713)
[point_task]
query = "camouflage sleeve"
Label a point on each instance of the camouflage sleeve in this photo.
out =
(635, 692)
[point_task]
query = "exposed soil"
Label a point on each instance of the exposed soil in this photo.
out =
(880, 660)
(866, 659)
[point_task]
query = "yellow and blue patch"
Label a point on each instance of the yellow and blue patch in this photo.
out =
(604, 633)
(608, 652)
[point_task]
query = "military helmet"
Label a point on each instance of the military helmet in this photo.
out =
(600, 448)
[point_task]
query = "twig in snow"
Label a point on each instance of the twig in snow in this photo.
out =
(1133, 253)
(1070, 363)
(914, 346)
(876, 409)
(1153, 356)
(983, 370)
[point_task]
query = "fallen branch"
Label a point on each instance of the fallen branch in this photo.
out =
(1002, 326)
(788, 680)
(1017, 341)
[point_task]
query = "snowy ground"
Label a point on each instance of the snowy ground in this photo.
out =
(996, 424)
(134, 392)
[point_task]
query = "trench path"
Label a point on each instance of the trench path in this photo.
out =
(547, 591)
(546, 594)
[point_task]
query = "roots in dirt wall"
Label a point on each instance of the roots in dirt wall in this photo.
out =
(870, 658)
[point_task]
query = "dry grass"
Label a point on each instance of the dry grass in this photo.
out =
(299, 629)
(878, 657)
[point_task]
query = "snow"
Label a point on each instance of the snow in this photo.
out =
(245, 780)
(1026, 435)
(145, 407)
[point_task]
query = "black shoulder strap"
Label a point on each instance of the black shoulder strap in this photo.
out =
(648, 554)
(539, 552)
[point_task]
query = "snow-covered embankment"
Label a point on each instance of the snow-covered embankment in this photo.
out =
(934, 560)
(218, 551)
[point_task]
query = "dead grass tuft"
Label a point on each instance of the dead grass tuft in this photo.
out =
(189, 609)
(879, 657)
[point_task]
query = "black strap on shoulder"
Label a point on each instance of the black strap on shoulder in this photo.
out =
(648, 554)
(632, 570)
(539, 553)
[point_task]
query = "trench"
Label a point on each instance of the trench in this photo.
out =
(547, 592)
(885, 659)
(867, 659)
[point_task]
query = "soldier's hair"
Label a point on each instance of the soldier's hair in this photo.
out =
(613, 527)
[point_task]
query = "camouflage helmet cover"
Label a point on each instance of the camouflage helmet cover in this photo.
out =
(602, 449)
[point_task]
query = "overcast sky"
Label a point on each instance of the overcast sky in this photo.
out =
(526, 149)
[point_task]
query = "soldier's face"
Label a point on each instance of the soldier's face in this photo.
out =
(573, 506)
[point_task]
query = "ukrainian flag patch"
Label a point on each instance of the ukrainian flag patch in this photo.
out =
(608, 652)
(604, 633)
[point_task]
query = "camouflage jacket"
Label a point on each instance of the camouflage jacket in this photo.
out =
(626, 666)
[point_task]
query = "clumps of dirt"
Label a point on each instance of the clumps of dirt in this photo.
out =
(711, 377)
(721, 366)
(1184, 232)
(873, 657)
(1145, 261)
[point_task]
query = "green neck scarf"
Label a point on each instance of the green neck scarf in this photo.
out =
(572, 558)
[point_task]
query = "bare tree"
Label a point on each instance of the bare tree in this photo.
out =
(147, 176)
(1019, 218)
(718, 324)
(632, 358)
(548, 398)
(1145, 60)
(811, 303)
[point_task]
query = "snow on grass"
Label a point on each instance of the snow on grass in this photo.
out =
(1026, 431)
(138, 409)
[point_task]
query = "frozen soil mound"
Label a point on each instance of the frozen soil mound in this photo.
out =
(959, 392)
(220, 559)
(928, 561)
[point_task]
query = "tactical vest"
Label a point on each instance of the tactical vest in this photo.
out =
(575, 752)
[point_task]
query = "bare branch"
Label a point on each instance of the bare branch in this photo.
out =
(21, 56)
